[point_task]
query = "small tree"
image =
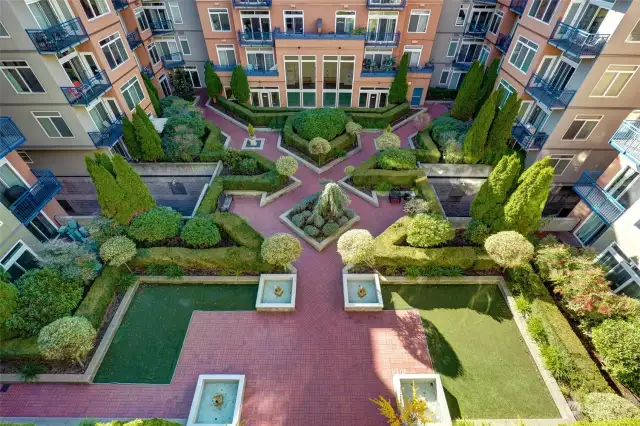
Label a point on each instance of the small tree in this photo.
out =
(500, 132)
(356, 247)
(211, 79)
(117, 251)
(110, 195)
(148, 138)
(67, 339)
(476, 138)
(136, 193)
(181, 84)
(488, 81)
(399, 87)
(281, 249)
(353, 128)
(319, 147)
(509, 249)
(465, 103)
(286, 166)
(388, 139)
(332, 203)
(130, 139)
(617, 341)
(153, 94)
(240, 85)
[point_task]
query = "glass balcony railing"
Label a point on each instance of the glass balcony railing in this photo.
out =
(161, 27)
(627, 140)
(87, 92)
(32, 201)
(386, 4)
(252, 4)
(378, 72)
(252, 71)
(120, 4)
(527, 139)
(382, 39)
(60, 37)
(109, 136)
(576, 42)
(223, 68)
(517, 6)
(476, 30)
(134, 39)
(322, 36)
(503, 42)
(10, 136)
(599, 200)
(547, 94)
(173, 60)
(255, 38)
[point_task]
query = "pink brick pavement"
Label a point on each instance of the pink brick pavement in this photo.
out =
(317, 366)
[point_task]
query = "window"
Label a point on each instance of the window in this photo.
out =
(444, 76)
(132, 93)
(337, 86)
(294, 21)
(622, 273)
(300, 73)
(453, 47)
(265, 96)
(175, 13)
(226, 55)
(373, 97)
(261, 59)
(469, 52)
(141, 17)
(462, 15)
(164, 85)
(25, 157)
(542, 10)
(496, 20)
(219, 19)
(414, 53)
(195, 77)
(345, 21)
(114, 50)
(21, 77)
(153, 53)
(100, 116)
(381, 26)
(53, 124)
(560, 162)
(582, 127)
(256, 25)
(3, 31)
(375, 58)
(228, 93)
(614, 80)
(19, 260)
(634, 36)
(536, 119)
(508, 91)
(184, 45)
(94, 8)
(523, 53)
(419, 21)
(484, 55)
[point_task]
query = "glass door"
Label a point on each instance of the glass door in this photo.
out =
(100, 117)
(480, 18)
(256, 25)
(373, 100)
(8, 179)
(591, 229)
(45, 14)
(75, 70)
(562, 75)
(382, 28)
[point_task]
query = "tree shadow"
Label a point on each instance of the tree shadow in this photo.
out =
(444, 358)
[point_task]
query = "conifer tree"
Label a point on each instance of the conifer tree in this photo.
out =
(399, 87)
(465, 103)
(130, 138)
(240, 85)
(476, 138)
(500, 132)
(147, 136)
(153, 94)
(214, 85)
(110, 195)
(488, 81)
(181, 84)
(104, 160)
(136, 193)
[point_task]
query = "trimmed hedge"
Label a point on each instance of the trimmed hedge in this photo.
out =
(213, 144)
(368, 176)
(621, 422)
(379, 120)
(97, 301)
(238, 229)
(425, 190)
(140, 422)
(22, 349)
(338, 145)
(428, 147)
(209, 203)
(439, 93)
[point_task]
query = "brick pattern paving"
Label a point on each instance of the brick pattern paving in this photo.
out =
(317, 366)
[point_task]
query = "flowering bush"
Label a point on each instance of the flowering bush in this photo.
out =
(388, 140)
(509, 249)
(618, 342)
(200, 232)
(74, 261)
(356, 247)
(281, 249)
(286, 166)
(156, 225)
(608, 406)
(117, 251)
(319, 146)
(353, 128)
(67, 339)
(427, 230)
(417, 206)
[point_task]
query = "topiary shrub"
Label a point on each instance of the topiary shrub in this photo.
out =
(349, 170)
(342, 220)
(353, 128)
(397, 159)
(156, 225)
(200, 232)
(118, 250)
(598, 406)
(388, 140)
(311, 231)
(427, 230)
(509, 249)
(325, 123)
(67, 339)
(76, 262)
(417, 206)
(477, 232)
(356, 247)
(330, 228)
(317, 221)
(280, 249)
(286, 166)
(319, 146)
(618, 343)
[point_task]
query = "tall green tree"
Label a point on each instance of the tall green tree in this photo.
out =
(465, 104)
(110, 195)
(476, 138)
(153, 94)
(211, 79)
(147, 136)
(488, 81)
(399, 87)
(130, 138)
(500, 133)
(138, 197)
(104, 160)
(240, 85)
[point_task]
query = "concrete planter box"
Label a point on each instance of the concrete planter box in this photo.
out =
(264, 198)
(371, 301)
(371, 199)
(439, 170)
(318, 169)
(267, 301)
(318, 245)
(202, 413)
(428, 386)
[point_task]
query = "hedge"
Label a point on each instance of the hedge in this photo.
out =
(213, 143)
(621, 422)
(439, 93)
(377, 120)
(425, 190)
(100, 295)
(23, 349)
(209, 203)
(238, 229)
(140, 422)
(428, 148)
(338, 145)
(17, 424)
(368, 176)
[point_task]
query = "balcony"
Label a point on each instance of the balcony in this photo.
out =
(503, 42)
(161, 27)
(378, 72)
(255, 38)
(547, 94)
(527, 139)
(476, 30)
(252, 71)
(627, 140)
(576, 42)
(59, 37)
(10, 136)
(134, 39)
(87, 92)
(109, 136)
(252, 4)
(173, 60)
(32, 201)
(386, 4)
(462, 66)
(317, 36)
(382, 39)
(223, 68)
(599, 200)
(120, 4)
(148, 71)
(517, 6)
(427, 68)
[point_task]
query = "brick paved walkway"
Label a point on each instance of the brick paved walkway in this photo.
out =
(318, 366)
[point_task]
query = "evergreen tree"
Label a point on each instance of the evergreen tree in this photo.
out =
(211, 79)
(488, 81)
(136, 193)
(476, 138)
(399, 87)
(130, 138)
(104, 160)
(465, 103)
(181, 83)
(153, 94)
(147, 136)
(500, 132)
(110, 195)
(240, 85)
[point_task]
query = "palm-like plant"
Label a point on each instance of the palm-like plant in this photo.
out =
(412, 413)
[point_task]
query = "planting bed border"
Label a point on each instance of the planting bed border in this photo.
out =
(445, 415)
(246, 141)
(371, 199)
(318, 245)
(319, 170)
(277, 307)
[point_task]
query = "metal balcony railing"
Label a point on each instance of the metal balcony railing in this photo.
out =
(599, 200)
(109, 136)
(60, 37)
(10, 136)
(517, 6)
(464, 66)
(223, 68)
(576, 42)
(256, 72)
(120, 4)
(148, 71)
(87, 92)
(32, 201)
(324, 36)
(378, 72)
(173, 60)
(503, 42)
(425, 69)
(527, 139)
(252, 4)
(382, 39)
(476, 30)
(386, 4)
(134, 39)
(255, 38)
(547, 94)
(161, 27)
(627, 140)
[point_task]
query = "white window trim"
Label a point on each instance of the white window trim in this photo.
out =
(44, 130)
(496, 13)
(2, 67)
(180, 40)
(135, 77)
(573, 157)
(284, 18)
(189, 70)
(144, 16)
(585, 121)
(633, 279)
(257, 50)
(486, 49)
(149, 46)
(9, 262)
(5, 30)
(301, 90)
(627, 40)
(228, 16)
(419, 12)
(513, 50)
(413, 48)
(335, 22)
(613, 81)
(446, 83)
(453, 40)
(106, 3)
(173, 18)
(124, 45)
(235, 54)
(337, 90)
(377, 90)
(264, 89)
(465, 7)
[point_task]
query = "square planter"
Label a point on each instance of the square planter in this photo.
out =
(429, 387)
(318, 245)
(268, 300)
(205, 412)
(256, 144)
(362, 292)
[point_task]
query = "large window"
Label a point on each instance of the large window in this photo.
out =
(114, 50)
(95, 8)
(256, 25)
(542, 10)
(523, 53)
(581, 127)
(469, 52)
(614, 80)
(462, 15)
(622, 273)
(294, 21)
(484, 55)
(300, 74)
(496, 20)
(453, 47)
(345, 21)
(143, 23)
(175, 13)
(373, 97)
(634, 35)
(226, 55)
(261, 59)
(192, 72)
(219, 19)
(419, 21)
(132, 93)
(22, 79)
(414, 53)
(508, 91)
(100, 116)
(153, 53)
(19, 260)
(560, 162)
(337, 87)
(444, 77)
(382, 26)
(265, 96)
(184, 45)
(53, 124)
(377, 58)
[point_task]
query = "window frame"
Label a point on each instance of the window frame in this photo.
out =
(293, 15)
(227, 47)
(53, 114)
(618, 73)
(413, 48)
(189, 69)
(340, 59)
(378, 91)
(218, 10)
(4, 28)
(483, 50)
(571, 157)
(152, 45)
(636, 27)
(627, 265)
(110, 43)
(350, 12)
(299, 60)
(584, 120)
(526, 45)
(104, 2)
(31, 92)
(456, 41)
(25, 157)
(446, 83)
(130, 84)
(539, 2)
(171, 6)
(419, 12)
(465, 8)
(8, 263)
(494, 19)
(260, 51)
(182, 39)
(137, 13)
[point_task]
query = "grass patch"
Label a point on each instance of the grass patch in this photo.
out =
(476, 347)
(147, 344)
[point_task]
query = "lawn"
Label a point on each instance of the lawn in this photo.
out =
(148, 342)
(476, 347)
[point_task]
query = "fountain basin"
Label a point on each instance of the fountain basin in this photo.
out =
(428, 386)
(362, 292)
(227, 411)
(268, 300)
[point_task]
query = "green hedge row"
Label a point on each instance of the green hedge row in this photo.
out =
(95, 304)
(338, 145)
(379, 120)
(238, 229)
(439, 93)
(367, 175)
(213, 143)
(23, 349)
(427, 145)
(425, 190)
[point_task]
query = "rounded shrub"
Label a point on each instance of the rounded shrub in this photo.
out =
(281, 249)
(286, 166)
(428, 230)
(311, 231)
(156, 225)
(319, 146)
(74, 261)
(298, 220)
(397, 159)
(477, 232)
(599, 407)
(201, 232)
(325, 123)
(318, 221)
(618, 343)
(330, 228)
(353, 128)
(349, 170)
(8, 300)
(118, 250)
(509, 249)
(417, 206)
(388, 140)
(342, 220)
(356, 247)
(67, 339)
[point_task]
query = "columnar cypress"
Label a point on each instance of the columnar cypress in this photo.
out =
(135, 191)
(130, 138)
(104, 160)
(399, 87)
(488, 81)
(500, 132)
(110, 195)
(465, 104)
(211, 79)
(476, 138)
(148, 137)
(240, 85)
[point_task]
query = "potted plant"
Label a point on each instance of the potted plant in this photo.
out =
(252, 133)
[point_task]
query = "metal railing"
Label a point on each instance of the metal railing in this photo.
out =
(173, 60)
(489, 2)
(251, 3)
(526, 139)
(382, 39)
(10, 136)
(109, 136)
(255, 38)
(256, 72)
(134, 39)
(517, 6)
(31, 202)
(148, 71)
(85, 93)
(386, 4)
(425, 69)
(548, 94)
(476, 29)
(627, 140)
(377, 72)
(161, 26)
(599, 200)
(503, 42)
(576, 42)
(223, 68)
(464, 66)
(308, 35)
(60, 37)
(120, 4)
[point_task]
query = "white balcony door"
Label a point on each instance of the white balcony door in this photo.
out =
(49, 13)
(382, 27)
